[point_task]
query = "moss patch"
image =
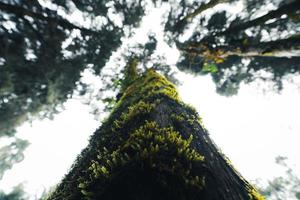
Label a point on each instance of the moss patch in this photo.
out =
(149, 146)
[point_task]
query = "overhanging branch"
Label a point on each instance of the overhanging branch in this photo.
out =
(21, 11)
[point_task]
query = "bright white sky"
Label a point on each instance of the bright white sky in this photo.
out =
(251, 128)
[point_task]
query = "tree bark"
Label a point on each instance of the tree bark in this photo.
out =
(153, 146)
(245, 49)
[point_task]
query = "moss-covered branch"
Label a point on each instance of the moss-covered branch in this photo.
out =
(244, 48)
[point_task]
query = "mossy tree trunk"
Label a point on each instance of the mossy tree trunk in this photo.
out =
(153, 146)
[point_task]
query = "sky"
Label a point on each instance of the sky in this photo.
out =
(251, 128)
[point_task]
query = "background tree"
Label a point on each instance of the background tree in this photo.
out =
(282, 187)
(17, 194)
(45, 47)
(44, 51)
(11, 153)
(235, 48)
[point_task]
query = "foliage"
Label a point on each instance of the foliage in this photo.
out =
(241, 44)
(43, 53)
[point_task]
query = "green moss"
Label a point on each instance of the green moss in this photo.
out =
(254, 195)
(130, 73)
(149, 85)
(161, 149)
(139, 108)
(191, 119)
(179, 118)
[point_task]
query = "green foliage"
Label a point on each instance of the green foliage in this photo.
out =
(210, 67)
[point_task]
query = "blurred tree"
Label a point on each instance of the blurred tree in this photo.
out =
(282, 187)
(43, 51)
(11, 154)
(45, 47)
(153, 146)
(17, 194)
(234, 48)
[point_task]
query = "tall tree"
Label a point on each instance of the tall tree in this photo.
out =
(44, 50)
(153, 146)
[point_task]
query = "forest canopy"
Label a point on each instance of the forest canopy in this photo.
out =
(44, 49)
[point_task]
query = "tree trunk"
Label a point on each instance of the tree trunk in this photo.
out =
(153, 146)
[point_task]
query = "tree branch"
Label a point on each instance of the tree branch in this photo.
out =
(21, 11)
(267, 49)
(181, 23)
(285, 9)
(202, 8)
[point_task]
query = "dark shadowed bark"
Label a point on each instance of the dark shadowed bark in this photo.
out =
(153, 146)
